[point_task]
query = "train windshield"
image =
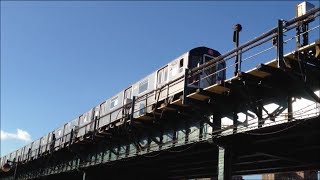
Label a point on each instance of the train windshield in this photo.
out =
(208, 73)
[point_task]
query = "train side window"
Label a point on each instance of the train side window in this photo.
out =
(207, 58)
(165, 73)
(143, 86)
(104, 109)
(181, 63)
(59, 132)
(159, 76)
(114, 102)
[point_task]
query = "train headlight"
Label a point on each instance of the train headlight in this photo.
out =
(210, 51)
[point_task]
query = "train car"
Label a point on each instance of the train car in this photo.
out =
(3, 160)
(85, 124)
(69, 130)
(22, 159)
(165, 84)
(109, 111)
(57, 137)
(26, 152)
(12, 156)
(18, 155)
(35, 147)
(44, 141)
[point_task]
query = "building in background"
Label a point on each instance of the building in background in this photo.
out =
(300, 175)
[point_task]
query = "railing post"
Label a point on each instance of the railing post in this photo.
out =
(235, 119)
(289, 101)
(259, 111)
(15, 171)
(132, 108)
(236, 29)
(281, 64)
(185, 88)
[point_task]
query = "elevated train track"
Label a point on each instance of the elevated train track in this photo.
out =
(266, 119)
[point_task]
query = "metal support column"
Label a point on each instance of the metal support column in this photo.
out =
(235, 120)
(259, 111)
(216, 121)
(225, 163)
(185, 90)
(289, 101)
(15, 171)
(305, 36)
(84, 175)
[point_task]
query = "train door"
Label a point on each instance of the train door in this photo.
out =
(194, 61)
(207, 76)
(162, 76)
(162, 79)
(127, 99)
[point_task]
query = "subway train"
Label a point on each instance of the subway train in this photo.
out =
(166, 84)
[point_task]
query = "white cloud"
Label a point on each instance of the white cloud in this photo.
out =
(19, 135)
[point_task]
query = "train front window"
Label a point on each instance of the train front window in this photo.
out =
(207, 58)
(208, 73)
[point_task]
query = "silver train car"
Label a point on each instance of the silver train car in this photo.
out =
(166, 84)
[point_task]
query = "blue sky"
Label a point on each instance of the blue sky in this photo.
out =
(59, 59)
